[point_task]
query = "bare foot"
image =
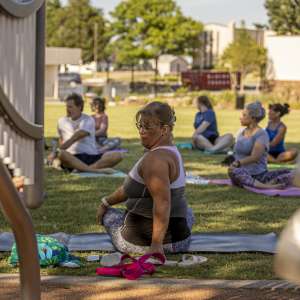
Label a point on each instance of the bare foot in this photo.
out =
(18, 182)
(277, 186)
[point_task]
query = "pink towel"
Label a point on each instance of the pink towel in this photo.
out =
(133, 270)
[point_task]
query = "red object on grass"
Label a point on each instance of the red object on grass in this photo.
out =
(133, 270)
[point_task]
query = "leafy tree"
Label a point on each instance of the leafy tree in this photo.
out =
(151, 28)
(244, 55)
(284, 16)
(54, 19)
(75, 27)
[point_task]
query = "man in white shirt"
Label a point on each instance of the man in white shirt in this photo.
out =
(77, 145)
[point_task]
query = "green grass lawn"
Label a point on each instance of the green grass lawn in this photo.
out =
(71, 202)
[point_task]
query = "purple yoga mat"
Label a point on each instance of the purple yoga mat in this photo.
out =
(287, 192)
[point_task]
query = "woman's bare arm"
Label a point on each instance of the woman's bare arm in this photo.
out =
(279, 136)
(257, 151)
(155, 172)
(202, 128)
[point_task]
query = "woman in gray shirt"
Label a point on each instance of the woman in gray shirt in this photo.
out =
(250, 153)
(157, 218)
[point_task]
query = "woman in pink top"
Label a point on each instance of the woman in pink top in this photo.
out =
(101, 123)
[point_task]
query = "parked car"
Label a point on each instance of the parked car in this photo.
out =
(69, 83)
(68, 78)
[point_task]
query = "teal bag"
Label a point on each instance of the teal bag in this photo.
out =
(51, 252)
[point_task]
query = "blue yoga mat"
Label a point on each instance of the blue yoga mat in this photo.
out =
(117, 174)
(201, 242)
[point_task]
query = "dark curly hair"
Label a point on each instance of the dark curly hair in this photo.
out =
(100, 101)
(283, 109)
(77, 99)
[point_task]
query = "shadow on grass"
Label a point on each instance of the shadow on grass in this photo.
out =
(72, 202)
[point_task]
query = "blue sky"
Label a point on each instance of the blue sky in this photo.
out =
(220, 11)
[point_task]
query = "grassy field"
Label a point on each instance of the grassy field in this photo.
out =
(71, 202)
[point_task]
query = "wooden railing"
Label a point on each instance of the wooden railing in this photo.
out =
(21, 128)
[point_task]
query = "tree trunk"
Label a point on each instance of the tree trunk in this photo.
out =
(155, 76)
(242, 83)
(132, 79)
(240, 95)
(107, 72)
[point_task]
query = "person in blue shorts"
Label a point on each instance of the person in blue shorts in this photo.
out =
(276, 130)
(206, 136)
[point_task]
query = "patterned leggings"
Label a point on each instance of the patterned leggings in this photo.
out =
(113, 221)
(241, 177)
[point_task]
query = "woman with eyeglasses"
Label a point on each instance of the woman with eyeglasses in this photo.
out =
(276, 130)
(157, 218)
(101, 126)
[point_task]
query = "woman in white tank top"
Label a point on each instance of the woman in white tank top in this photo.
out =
(157, 218)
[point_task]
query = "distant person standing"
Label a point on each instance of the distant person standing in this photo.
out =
(101, 126)
(206, 136)
(276, 130)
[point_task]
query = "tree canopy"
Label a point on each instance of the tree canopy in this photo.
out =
(151, 28)
(244, 55)
(284, 16)
(73, 26)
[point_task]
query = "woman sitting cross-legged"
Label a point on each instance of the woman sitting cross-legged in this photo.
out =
(101, 125)
(157, 218)
(250, 153)
(206, 136)
(276, 130)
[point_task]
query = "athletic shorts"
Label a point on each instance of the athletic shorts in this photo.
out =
(275, 154)
(212, 138)
(88, 159)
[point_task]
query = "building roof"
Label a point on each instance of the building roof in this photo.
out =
(61, 56)
(170, 58)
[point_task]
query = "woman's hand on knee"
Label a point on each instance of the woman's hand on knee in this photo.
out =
(156, 248)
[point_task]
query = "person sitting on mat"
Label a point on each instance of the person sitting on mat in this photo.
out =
(251, 151)
(77, 147)
(157, 218)
(206, 136)
(101, 125)
(276, 130)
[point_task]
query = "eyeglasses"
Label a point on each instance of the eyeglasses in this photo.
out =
(144, 126)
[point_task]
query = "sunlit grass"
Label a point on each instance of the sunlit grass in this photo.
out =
(71, 202)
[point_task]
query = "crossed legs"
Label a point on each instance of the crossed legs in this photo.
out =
(288, 155)
(222, 143)
(108, 160)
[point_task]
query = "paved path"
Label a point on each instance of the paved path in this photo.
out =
(91, 288)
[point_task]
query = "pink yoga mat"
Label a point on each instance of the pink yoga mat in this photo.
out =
(220, 181)
(287, 192)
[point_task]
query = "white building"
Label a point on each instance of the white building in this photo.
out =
(216, 38)
(56, 56)
(283, 58)
(170, 64)
(222, 36)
